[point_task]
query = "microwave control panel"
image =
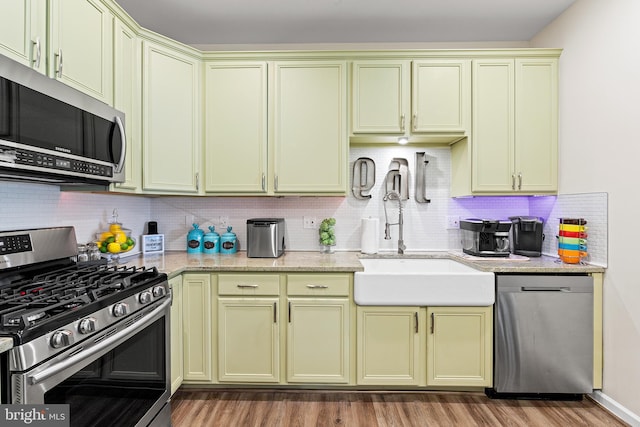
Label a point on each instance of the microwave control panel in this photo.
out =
(19, 156)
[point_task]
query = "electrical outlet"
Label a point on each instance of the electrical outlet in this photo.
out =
(223, 221)
(453, 222)
(309, 222)
(188, 220)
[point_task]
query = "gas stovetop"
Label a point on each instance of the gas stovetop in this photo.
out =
(32, 305)
(49, 302)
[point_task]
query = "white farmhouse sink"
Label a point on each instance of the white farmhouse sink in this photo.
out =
(422, 282)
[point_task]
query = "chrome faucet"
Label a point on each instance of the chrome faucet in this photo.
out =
(392, 195)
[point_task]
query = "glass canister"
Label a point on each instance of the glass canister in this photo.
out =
(228, 242)
(211, 242)
(83, 255)
(194, 240)
(93, 251)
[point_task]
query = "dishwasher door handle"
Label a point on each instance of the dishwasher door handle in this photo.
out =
(545, 289)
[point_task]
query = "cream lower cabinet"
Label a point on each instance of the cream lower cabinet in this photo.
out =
(198, 335)
(249, 328)
(515, 126)
(177, 348)
(391, 348)
(460, 346)
(318, 328)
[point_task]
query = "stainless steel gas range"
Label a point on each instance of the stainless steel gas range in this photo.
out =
(90, 335)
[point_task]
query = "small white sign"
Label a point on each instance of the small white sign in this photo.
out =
(153, 243)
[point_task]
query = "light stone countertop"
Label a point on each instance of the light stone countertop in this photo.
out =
(6, 344)
(177, 262)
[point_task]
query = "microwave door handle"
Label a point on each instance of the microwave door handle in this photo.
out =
(120, 163)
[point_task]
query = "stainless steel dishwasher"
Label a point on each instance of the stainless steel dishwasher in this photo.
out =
(543, 335)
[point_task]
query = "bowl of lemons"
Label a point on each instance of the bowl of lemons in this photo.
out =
(116, 240)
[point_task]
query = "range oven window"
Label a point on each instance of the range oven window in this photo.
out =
(120, 387)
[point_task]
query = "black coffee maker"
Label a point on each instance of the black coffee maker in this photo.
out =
(527, 235)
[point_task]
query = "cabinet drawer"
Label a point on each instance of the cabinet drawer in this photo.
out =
(248, 284)
(318, 284)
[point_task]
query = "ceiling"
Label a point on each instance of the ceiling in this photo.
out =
(206, 22)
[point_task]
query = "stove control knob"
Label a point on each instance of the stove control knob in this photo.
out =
(144, 297)
(159, 291)
(61, 338)
(120, 309)
(87, 325)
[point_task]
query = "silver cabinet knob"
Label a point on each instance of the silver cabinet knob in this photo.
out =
(87, 325)
(120, 309)
(61, 338)
(144, 297)
(159, 291)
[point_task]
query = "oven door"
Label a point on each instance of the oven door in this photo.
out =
(121, 378)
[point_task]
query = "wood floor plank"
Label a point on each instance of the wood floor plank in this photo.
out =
(295, 408)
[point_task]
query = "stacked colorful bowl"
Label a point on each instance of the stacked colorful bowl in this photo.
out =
(572, 240)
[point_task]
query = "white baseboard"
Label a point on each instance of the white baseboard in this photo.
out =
(615, 408)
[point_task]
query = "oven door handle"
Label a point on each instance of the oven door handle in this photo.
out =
(123, 334)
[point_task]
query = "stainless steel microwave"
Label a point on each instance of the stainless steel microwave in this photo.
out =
(52, 133)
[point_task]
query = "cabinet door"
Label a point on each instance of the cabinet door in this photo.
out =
(127, 82)
(197, 327)
(81, 46)
(236, 127)
(460, 346)
(249, 340)
(318, 340)
(493, 145)
(171, 132)
(536, 124)
(177, 349)
(310, 133)
(380, 97)
(390, 345)
(23, 26)
(441, 95)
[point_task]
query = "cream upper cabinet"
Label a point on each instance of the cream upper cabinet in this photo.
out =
(23, 32)
(441, 96)
(198, 336)
(170, 120)
(460, 346)
(318, 328)
(309, 132)
(391, 348)
(515, 126)
(536, 129)
(426, 100)
(127, 64)
(380, 97)
(235, 152)
(81, 46)
(177, 348)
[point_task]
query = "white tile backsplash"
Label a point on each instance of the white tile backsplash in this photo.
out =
(35, 205)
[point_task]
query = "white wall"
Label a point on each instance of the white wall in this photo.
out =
(600, 151)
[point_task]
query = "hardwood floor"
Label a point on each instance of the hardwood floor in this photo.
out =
(267, 408)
